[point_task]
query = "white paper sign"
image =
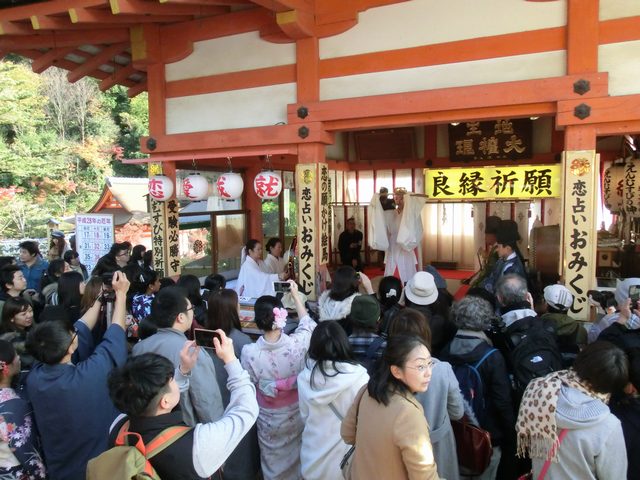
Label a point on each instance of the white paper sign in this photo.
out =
(94, 236)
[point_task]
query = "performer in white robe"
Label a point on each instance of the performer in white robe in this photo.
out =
(274, 263)
(398, 232)
(253, 281)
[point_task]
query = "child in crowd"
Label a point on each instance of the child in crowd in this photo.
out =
(273, 363)
(149, 284)
(367, 345)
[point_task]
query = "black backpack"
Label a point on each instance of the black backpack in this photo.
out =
(471, 386)
(533, 351)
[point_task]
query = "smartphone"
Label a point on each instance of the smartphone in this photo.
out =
(634, 295)
(281, 287)
(204, 338)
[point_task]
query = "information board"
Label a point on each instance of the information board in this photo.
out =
(94, 236)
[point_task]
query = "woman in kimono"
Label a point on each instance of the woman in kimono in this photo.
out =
(253, 280)
(273, 363)
(275, 262)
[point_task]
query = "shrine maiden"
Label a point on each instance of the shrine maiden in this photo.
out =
(253, 280)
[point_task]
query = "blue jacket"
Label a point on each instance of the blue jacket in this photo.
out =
(71, 403)
(33, 274)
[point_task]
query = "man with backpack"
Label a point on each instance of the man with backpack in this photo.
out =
(528, 343)
(482, 374)
(146, 390)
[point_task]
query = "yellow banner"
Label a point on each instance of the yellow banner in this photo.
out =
(488, 183)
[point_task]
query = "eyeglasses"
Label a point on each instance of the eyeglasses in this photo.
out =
(190, 308)
(422, 368)
(124, 254)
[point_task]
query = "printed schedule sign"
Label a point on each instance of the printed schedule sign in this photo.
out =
(94, 236)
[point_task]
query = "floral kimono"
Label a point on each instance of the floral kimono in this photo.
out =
(19, 457)
(273, 368)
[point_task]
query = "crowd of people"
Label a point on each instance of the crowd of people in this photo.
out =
(365, 383)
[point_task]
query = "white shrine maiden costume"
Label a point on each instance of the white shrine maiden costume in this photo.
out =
(253, 281)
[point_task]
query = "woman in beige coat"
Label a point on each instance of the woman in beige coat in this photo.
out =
(386, 423)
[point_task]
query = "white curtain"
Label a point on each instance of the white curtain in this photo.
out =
(449, 234)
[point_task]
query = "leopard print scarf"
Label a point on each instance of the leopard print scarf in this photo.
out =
(536, 426)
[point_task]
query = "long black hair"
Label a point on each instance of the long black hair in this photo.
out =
(69, 289)
(382, 383)
(345, 283)
(222, 311)
(329, 344)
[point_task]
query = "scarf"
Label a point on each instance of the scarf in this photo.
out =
(536, 425)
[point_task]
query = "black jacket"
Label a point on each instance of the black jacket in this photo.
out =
(176, 461)
(500, 418)
(628, 412)
(621, 336)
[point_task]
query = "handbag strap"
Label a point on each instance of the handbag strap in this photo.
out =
(547, 464)
(335, 411)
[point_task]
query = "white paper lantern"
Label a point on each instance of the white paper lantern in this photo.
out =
(160, 187)
(195, 187)
(230, 186)
(267, 185)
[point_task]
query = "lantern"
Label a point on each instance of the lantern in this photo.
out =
(195, 187)
(230, 185)
(160, 187)
(267, 185)
(613, 188)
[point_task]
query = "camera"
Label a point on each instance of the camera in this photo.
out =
(281, 287)
(604, 299)
(204, 338)
(108, 294)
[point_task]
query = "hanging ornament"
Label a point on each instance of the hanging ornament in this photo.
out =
(160, 187)
(613, 187)
(230, 185)
(267, 185)
(195, 187)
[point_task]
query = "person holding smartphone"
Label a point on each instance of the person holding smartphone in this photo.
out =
(627, 314)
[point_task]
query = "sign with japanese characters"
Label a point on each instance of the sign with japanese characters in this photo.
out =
(307, 199)
(489, 183)
(157, 235)
(94, 237)
(172, 215)
(325, 213)
(503, 139)
(581, 172)
(164, 232)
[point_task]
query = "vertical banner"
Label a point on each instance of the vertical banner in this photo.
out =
(581, 172)
(165, 232)
(157, 235)
(307, 199)
(172, 215)
(94, 237)
(325, 214)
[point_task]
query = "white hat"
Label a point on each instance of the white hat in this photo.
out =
(558, 296)
(421, 289)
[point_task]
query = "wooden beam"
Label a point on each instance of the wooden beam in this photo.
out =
(66, 39)
(142, 7)
(582, 36)
(631, 127)
(455, 98)
(296, 24)
(622, 108)
(117, 77)
(239, 138)
(94, 62)
(137, 89)
(222, 3)
(45, 60)
(15, 28)
(24, 12)
(285, 5)
(237, 153)
(44, 22)
(92, 16)
(445, 116)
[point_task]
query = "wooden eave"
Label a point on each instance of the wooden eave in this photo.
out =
(101, 38)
